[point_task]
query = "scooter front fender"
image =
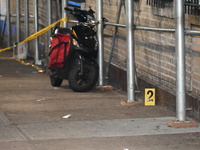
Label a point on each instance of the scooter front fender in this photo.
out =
(84, 59)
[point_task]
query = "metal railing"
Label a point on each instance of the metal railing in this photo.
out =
(159, 3)
(192, 7)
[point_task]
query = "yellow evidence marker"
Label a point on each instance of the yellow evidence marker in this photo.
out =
(149, 99)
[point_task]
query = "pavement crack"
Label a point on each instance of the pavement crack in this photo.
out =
(24, 134)
(4, 119)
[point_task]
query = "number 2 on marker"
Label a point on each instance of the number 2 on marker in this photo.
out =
(149, 97)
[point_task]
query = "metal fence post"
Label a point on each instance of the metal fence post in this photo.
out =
(37, 62)
(49, 14)
(99, 5)
(180, 56)
(17, 21)
(130, 52)
(64, 13)
(26, 20)
(8, 23)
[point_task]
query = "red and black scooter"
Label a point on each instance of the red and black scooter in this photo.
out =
(73, 53)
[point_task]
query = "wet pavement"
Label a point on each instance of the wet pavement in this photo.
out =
(36, 116)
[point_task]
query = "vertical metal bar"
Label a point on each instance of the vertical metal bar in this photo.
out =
(64, 13)
(37, 62)
(130, 52)
(114, 38)
(26, 20)
(8, 23)
(99, 5)
(192, 7)
(185, 9)
(180, 56)
(198, 6)
(58, 9)
(49, 14)
(17, 21)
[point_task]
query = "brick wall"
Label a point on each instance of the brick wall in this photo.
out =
(155, 51)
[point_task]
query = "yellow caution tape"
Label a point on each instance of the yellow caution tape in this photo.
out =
(6, 57)
(1, 50)
(42, 31)
(31, 64)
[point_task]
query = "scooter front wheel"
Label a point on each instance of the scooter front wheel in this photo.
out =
(83, 82)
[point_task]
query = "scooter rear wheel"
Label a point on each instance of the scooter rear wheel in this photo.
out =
(55, 81)
(84, 82)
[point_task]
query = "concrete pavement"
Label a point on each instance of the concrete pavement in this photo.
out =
(36, 116)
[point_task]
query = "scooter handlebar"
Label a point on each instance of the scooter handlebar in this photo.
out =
(68, 9)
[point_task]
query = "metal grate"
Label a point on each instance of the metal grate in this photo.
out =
(192, 7)
(159, 3)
